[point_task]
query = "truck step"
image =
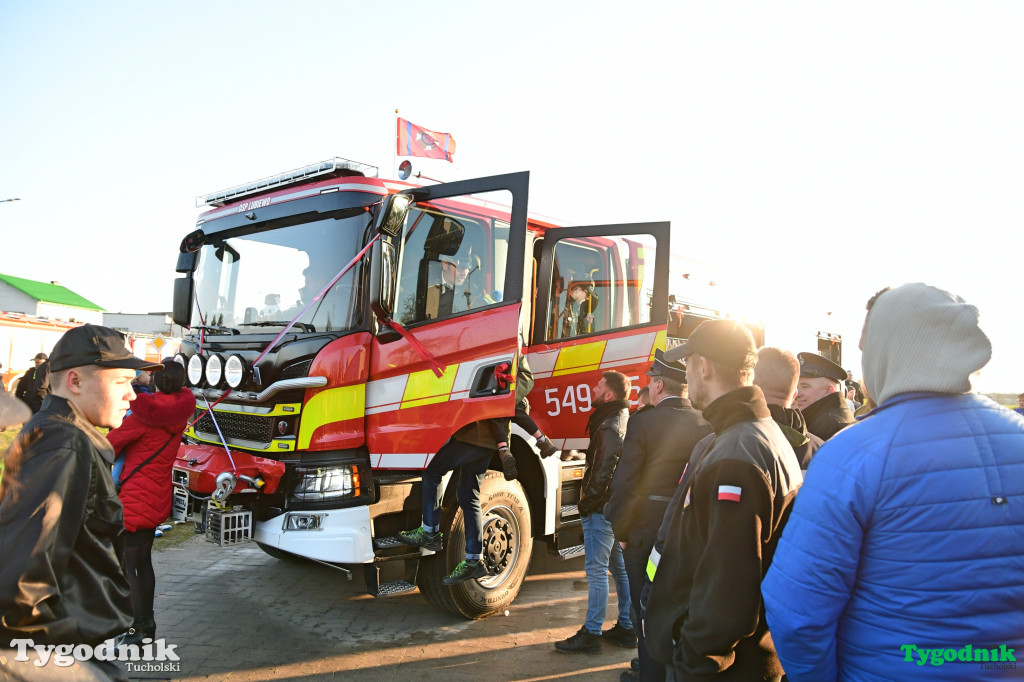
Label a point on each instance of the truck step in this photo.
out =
(570, 510)
(388, 542)
(571, 552)
(394, 588)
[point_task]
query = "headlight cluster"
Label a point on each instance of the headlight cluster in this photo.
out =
(234, 371)
(324, 484)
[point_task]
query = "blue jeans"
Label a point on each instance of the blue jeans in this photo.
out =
(472, 461)
(603, 553)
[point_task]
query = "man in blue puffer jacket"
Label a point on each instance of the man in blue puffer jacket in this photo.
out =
(904, 555)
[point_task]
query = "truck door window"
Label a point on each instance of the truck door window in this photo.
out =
(600, 284)
(453, 260)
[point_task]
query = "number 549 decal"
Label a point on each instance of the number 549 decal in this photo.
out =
(575, 398)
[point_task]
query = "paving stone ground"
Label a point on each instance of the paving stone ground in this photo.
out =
(236, 613)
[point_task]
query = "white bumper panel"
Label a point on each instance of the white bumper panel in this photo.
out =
(344, 537)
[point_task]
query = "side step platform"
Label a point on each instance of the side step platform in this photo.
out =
(387, 549)
(390, 588)
(571, 552)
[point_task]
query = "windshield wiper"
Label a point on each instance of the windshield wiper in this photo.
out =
(268, 323)
(213, 328)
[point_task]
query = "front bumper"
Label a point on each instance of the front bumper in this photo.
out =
(344, 536)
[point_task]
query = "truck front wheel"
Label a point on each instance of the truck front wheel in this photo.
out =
(508, 545)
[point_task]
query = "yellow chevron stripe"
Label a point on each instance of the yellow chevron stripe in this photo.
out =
(659, 342)
(581, 358)
(332, 405)
(425, 388)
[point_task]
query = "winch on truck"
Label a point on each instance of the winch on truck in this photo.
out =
(331, 357)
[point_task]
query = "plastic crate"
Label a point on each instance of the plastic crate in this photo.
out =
(228, 527)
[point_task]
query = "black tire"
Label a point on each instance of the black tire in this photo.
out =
(508, 545)
(279, 553)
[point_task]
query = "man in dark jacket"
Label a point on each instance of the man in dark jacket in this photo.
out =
(35, 383)
(776, 374)
(607, 427)
(655, 451)
(61, 580)
(704, 616)
(819, 395)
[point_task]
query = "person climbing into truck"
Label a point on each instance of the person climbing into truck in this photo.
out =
(469, 451)
(524, 384)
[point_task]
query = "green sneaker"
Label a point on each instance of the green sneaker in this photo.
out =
(466, 570)
(418, 537)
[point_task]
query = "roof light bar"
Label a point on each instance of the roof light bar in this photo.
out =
(335, 166)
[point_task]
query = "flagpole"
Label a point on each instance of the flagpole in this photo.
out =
(394, 152)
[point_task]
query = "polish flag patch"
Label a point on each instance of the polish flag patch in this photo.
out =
(729, 492)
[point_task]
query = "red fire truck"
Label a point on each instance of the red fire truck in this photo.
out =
(323, 429)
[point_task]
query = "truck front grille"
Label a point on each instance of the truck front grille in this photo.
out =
(238, 425)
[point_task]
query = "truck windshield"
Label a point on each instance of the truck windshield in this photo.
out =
(265, 279)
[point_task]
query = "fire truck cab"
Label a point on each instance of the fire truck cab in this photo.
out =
(343, 327)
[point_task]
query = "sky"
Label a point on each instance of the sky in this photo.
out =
(807, 154)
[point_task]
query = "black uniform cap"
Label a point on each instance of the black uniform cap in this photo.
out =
(669, 370)
(814, 365)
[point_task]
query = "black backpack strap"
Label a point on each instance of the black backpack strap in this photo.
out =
(118, 484)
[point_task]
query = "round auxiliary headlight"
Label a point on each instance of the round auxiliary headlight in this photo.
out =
(195, 370)
(214, 370)
(180, 359)
(234, 371)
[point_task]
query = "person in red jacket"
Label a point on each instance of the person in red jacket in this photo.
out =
(150, 437)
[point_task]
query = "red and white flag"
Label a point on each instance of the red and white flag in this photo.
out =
(729, 492)
(414, 140)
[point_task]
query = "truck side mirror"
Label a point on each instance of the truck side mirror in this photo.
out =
(181, 309)
(186, 262)
(392, 215)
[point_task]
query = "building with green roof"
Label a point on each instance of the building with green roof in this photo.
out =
(46, 299)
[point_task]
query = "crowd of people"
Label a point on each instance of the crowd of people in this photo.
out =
(753, 527)
(754, 530)
(76, 537)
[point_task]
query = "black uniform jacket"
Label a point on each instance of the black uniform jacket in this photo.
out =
(34, 386)
(828, 416)
(607, 428)
(61, 579)
(705, 616)
(804, 443)
(655, 451)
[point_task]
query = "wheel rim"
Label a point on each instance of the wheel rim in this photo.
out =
(501, 545)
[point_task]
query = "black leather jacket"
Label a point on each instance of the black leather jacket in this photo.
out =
(61, 578)
(607, 428)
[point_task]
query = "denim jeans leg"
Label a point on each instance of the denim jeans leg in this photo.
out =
(431, 486)
(471, 475)
(617, 565)
(597, 541)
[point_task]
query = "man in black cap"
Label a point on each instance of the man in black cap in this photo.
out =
(655, 451)
(35, 383)
(704, 614)
(819, 395)
(61, 580)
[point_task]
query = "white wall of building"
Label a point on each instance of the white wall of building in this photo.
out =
(69, 313)
(15, 301)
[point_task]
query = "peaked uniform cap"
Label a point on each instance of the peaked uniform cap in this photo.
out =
(669, 370)
(814, 365)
